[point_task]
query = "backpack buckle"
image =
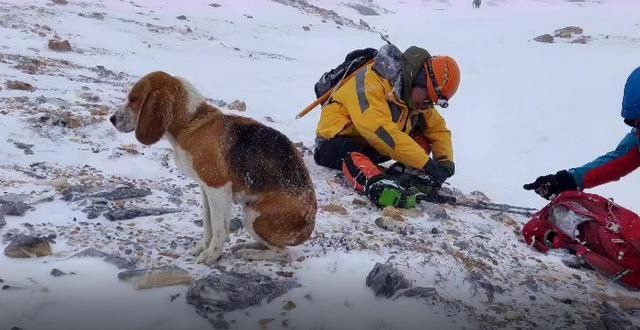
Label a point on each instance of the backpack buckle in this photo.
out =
(612, 226)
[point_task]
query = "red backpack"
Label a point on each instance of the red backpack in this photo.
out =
(605, 235)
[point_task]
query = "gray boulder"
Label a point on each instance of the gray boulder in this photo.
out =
(385, 280)
(224, 291)
(27, 246)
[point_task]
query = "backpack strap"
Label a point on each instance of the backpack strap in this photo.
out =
(605, 266)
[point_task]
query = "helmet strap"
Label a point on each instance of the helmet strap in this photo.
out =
(441, 101)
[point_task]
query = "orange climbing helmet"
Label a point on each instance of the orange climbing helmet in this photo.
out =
(443, 79)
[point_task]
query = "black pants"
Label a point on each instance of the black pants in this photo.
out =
(331, 152)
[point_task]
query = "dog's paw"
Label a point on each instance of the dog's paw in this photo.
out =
(200, 246)
(209, 256)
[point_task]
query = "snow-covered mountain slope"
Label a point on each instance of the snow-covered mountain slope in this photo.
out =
(524, 109)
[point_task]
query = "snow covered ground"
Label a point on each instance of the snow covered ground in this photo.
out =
(524, 109)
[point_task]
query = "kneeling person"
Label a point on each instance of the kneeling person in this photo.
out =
(386, 111)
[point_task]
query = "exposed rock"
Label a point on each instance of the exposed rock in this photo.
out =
(156, 277)
(182, 17)
(420, 292)
(567, 32)
(326, 14)
(19, 85)
(235, 224)
(59, 45)
(12, 207)
(363, 9)
(306, 28)
(545, 38)
(24, 147)
(390, 224)
(122, 193)
(134, 212)
(385, 280)
(224, 291)
(435, 211)
(60, 2)
(290, 305)
(27, 246)
(215, 5)
(581, 40)
(92, 252)
(393, 213)
(238, 106)
(57, 272)
(3, 222)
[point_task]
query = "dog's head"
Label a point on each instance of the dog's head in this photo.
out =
(150, 107)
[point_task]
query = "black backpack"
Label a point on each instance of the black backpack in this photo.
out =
(352, 62)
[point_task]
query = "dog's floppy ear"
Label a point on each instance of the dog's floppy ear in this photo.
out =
(155, 116)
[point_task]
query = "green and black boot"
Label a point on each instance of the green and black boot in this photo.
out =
(385, 192)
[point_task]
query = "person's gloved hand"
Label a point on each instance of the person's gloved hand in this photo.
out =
(437, 172)
(448, 166)
(550, 185)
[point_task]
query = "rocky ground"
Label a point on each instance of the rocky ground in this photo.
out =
(70, 188)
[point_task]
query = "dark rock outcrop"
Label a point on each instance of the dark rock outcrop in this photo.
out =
(385, 280)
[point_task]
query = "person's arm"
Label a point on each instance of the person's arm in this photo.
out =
(371, 117)
(611, 166)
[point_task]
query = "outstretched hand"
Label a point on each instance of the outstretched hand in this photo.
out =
(549, 186)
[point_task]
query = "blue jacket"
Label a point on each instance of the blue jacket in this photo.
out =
(611, 166)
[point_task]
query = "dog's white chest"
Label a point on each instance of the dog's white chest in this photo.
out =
(183, 161)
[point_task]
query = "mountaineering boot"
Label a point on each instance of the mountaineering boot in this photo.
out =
(383, 192)
(367, 177)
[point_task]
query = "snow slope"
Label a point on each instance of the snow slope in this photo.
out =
(524, 109)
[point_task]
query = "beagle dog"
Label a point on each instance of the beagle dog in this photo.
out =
(233, 159)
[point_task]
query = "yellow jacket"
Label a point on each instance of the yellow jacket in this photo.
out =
(366, 106)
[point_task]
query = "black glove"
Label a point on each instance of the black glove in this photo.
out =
(437, 172)
(448, 166)
(550, 185)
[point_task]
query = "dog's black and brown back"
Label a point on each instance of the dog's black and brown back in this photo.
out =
(265, 159)
(265, 163)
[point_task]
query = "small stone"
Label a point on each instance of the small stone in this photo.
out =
(214, 5)
(435, 231)
(238, 105)
(545, 38)
(26, 246)
(198, 222)
(182, 17)
(290, 305)
(306, 28)
(59, 45)
(19, 85)
(3, 222)
(156, 277)
(60, 2)
(235, 224)
(333, 208)
(174, 297)
(390, 224)
(57, 272)
(284, 274)
(581, 40)
(393, 213)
